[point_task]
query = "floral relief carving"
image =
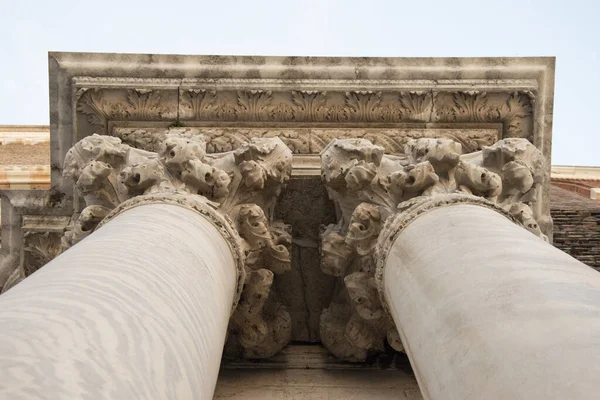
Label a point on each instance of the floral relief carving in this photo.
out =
(310, 105)
(281, 112)
(513, 110)
(253, 105)
(368, 187)
(195, 103)
(470, 106)
(96, 109)
(362, 105)
(415, 106)
(91, 105)
(517, 107)
(101, 105)
(144, 103)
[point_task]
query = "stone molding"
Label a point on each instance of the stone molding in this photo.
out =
(19, 177)
(377, 195)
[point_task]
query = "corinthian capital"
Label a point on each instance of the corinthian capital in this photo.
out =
(241, 186)
(373, 191)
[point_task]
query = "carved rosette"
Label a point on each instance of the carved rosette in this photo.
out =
(373, 191)
(235, 190)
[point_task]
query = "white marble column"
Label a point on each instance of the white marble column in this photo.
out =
(137, 310)
(487, 310)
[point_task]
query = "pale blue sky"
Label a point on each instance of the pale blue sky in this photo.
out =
(568, 30)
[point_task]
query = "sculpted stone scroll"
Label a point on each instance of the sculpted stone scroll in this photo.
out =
(241, 185)
(369, 188)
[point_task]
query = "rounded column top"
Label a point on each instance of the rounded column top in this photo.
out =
(203, 207)
(408, 212)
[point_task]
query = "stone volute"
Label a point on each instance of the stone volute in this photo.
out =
(378, 195)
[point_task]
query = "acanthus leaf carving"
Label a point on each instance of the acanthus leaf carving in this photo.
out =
(512, 109)
(91, 104)
(369, 187)
(517, 107)
(362, 105)
(416, 106)
(196, 103)
(130, 104)
(253, 104)
(40, 248)
(463, 106)
(310, 104)
(470, 106)
(97, 109)
(145, 104)
(241, 184)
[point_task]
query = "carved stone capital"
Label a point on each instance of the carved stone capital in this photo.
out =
(377, 195)
(235, 190)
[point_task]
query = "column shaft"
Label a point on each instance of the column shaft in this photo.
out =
(487, 310)
(137, 310)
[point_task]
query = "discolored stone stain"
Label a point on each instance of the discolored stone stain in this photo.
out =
(253, 74)
(293, 74)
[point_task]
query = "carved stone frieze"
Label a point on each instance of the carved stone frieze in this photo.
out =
(98, 106)
(307, 140)
(511, 109)
(194, 103)
(368, 187)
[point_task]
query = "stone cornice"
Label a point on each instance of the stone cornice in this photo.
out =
(193, 66)
(96, 93)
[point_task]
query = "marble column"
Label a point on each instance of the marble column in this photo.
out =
(137, 310)
(487, 310)
(441, 255)
(370, 188)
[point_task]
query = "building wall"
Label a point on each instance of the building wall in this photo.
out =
(576, 225)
